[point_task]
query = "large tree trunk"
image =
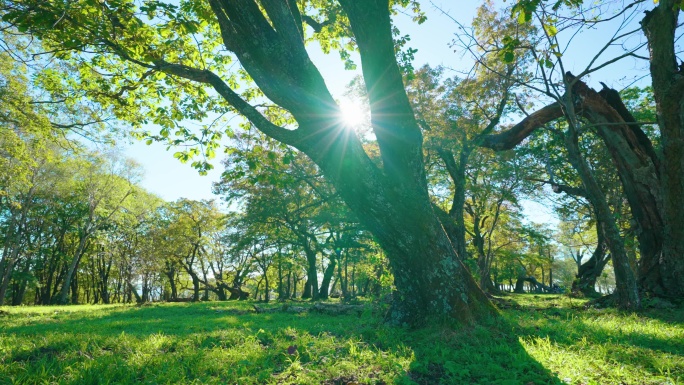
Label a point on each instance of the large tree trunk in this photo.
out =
(306, 293)
(659, 26)
(392, 202)
(311, 288)
(195, 285)
(327, 277)
(637, 166)
(170, 273)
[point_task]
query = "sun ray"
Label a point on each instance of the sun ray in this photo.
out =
(352, 113)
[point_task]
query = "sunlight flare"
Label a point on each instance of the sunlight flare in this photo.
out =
(352, 113)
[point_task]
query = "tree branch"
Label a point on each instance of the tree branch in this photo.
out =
(207, 77)
(510, 138)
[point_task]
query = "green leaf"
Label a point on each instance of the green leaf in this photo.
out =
(551, 29)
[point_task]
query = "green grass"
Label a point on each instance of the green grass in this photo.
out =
(540, 340)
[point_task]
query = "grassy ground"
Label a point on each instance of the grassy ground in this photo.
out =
(541, 340)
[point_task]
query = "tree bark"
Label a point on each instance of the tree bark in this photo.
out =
(626, 292)
(327, 277)
(311, 287)
(306, 291)
(456, 212)
(659, 26)
(171, 275)
(589, 272)
(71, 269)
(392, 202)
(195, 285)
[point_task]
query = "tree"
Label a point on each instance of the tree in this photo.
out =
(105, 187)
(190, 225)
(583, 108)
(268, 39)
(660, 25)
(651, 177)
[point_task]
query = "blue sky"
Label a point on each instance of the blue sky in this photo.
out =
(170, 179)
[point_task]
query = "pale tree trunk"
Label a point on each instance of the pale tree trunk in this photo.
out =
(12, 246)
(71, 269)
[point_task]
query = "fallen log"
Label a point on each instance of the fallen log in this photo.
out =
(321, 308)
(282, 309)
(333, 309)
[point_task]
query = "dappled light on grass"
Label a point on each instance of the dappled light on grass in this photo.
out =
(543, 340)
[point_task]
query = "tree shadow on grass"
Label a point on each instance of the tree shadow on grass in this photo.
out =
(648, 344)
(226, 343)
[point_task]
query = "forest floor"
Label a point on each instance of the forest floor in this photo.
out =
(541, 339)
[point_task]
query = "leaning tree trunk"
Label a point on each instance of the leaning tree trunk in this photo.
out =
(393, 202)
(626, 292)
(71, 269)
(134, 290)
(637, 166)
(456, 212)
